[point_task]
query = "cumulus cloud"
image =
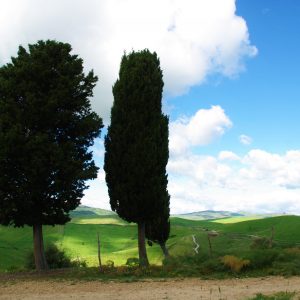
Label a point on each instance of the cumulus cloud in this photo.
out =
(228, 155)
(245, 139)
(193, 38)
(282, 170)
(198, 130)
(258, 182)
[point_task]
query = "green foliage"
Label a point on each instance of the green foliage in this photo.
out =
(200, 264)
(110, 264)
(262, 258)
(260, 243)
(56, 259)
(136, 143)
(46, 130)
(158, 229)
(132, 262)
(277, 296)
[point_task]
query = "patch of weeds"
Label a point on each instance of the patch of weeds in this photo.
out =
(235, 264)
(277, 296)
(260, 243)
(262, 258)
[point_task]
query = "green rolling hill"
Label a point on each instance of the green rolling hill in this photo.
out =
(119, 238)
(86, 211)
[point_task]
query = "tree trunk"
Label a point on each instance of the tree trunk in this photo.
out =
(39, 253)
(164, 249)
(142, 245)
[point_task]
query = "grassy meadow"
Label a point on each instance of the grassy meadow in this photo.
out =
(119, 239)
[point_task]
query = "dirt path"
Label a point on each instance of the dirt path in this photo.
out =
(169, 289)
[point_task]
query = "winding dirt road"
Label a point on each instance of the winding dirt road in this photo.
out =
(165, 289)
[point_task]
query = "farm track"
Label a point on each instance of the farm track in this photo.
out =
(149, 289)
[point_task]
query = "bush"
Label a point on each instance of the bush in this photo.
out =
(56, 259)
(293, 251)
(262, 258)
(234, 263)
(110, 264)
(132, 262)
(211, 265)
(277, 296)
(260, 243)
(193, 265)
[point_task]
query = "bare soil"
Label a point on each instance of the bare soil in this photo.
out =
(151, 289)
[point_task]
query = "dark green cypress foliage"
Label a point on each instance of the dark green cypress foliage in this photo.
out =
(158, 229)
(46, 129)
(137, 143)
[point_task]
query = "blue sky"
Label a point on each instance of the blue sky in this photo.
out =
(263, 100)
(231, 72)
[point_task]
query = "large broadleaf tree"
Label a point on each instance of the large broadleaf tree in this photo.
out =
(46, 130)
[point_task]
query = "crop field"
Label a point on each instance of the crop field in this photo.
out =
(119, 239)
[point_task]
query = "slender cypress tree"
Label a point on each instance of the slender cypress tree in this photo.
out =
(46, 129)
(137, 144)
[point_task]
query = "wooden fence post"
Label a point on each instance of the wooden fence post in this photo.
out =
(209, 243)
(99, 254)
(272, 237)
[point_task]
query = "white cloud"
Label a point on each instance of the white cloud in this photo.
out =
(228, 155)
(97, 195)
(198, 130)
(192, 38)
(258, 182)
(245, 139)
(281, 170)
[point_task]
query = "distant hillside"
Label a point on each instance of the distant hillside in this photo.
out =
(86, 211)
(209, 215)
(89, 212)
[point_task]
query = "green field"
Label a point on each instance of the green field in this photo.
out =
(119, 239)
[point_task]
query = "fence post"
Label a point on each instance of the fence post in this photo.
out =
(99, 254)
(209, 243)
(272, 237)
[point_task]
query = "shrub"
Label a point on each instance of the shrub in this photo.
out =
(260, 243)
(277, 296)
(234, 263)
(211, 265)
(262, 258)
(132, 262)
(186, 260)
(110, 264)
(56, 258)
(193, 265)
(294, 251)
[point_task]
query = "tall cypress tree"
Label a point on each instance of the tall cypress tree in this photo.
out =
(137, 144)
(46, 129)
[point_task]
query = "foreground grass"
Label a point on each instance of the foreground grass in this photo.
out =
(277, 296)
